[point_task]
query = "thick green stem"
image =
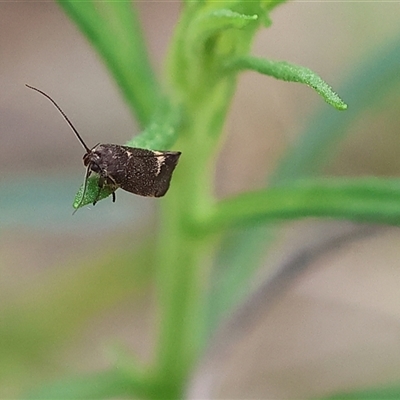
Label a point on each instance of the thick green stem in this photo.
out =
(184, 265)
(185, 254)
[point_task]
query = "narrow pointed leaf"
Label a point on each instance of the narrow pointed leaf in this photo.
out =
(208, 23)
(213, 22)
(101, 385)
(291, 73)
(362, 200)
(386, 393)
(114, 30)
(92, 193)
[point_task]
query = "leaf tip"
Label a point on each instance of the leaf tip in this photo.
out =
(91, 194)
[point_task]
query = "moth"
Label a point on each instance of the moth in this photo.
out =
(140, 171)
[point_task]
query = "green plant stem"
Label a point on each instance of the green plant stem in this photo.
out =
(183, 275)
(185, 255)
(184, 263)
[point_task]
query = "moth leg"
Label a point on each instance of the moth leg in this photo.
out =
(110, 181)
(100, 185)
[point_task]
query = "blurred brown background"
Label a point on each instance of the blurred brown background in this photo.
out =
(338, 327)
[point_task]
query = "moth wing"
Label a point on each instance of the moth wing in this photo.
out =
(147, 172)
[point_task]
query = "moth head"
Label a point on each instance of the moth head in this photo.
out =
(92, 157)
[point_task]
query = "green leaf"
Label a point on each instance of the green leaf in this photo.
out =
(92, 193)
(218, 20)
(386, 393)
(291, 73)
(364, 88)
(113, 29)
(100, 385)
(208, 24)
(362, 200)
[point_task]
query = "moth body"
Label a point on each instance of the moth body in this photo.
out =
(139, 171)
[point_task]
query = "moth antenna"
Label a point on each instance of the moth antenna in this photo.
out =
(63, 114)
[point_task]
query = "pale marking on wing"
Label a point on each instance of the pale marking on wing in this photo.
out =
(160, 162)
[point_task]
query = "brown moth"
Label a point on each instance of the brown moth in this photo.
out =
(140, 171)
